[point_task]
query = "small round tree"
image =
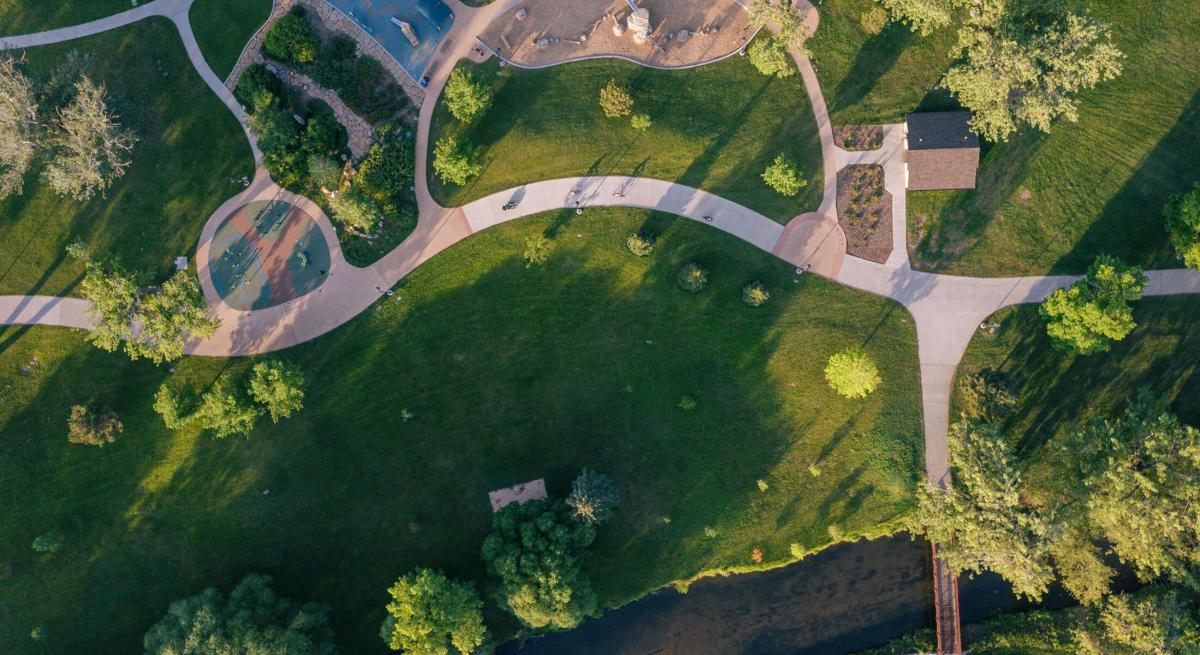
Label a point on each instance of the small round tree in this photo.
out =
(278, 386)
(640, 244)
(1094, 312)
(640, 122)
(769, 54)
(466, 97)
(454, 162)
(755, 294)
(873, 20)
(430, 612)
(783, 175)
(852, 374)
(615, 100)
(355, 210)
(537, 251)
(92, 427)
(692, 277)
(593, 497)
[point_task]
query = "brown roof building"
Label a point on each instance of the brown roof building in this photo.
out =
(943, 152)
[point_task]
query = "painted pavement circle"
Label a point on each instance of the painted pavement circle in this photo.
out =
(266, 253)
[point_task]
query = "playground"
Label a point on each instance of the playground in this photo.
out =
(267, 253)
(409, 30)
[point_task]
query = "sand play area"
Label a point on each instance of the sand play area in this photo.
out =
(667, 33)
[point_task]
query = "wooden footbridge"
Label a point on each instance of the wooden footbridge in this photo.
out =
(945, 604)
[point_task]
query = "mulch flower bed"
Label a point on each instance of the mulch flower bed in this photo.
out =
(865, 212)
(858, 137)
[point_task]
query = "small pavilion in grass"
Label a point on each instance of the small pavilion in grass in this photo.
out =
(943, 152)
(520, 493)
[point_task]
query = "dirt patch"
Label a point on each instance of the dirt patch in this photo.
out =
(681, 32)
(865, 212)
(1026, 195)
(858, 137)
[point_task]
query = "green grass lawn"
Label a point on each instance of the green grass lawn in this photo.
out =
(875, 79)
(222, 28)
(27, 16)
(1045, 202)
(716, 127)
(512, 374)
(188, 158)
(1057, 391)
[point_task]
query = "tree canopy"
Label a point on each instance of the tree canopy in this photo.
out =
(593, 497)
(978, 521)
(89, 149)
(534, 550)
(770, 56)
(784, 176)
(18, 127)
(466, 96)
(615, 100)
(1182, 215)
(1086, 318)
(251, 620)
(278, 386)
(429, 611)
(922, 16)
(852, 374)
(1149, 622)
(454, 162)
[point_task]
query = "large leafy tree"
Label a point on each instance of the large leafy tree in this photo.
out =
(18, 127)
(89, 149)
(1023, 64)
(978, 521)
(1086, 318)
(1182, 215)
(534, 550)
(278, 386)
(466, 96)
(429, 611)
(454, 162)
(1146, 623)
(770, 56)
(1143, 488)
(788, 22)
(251, 620)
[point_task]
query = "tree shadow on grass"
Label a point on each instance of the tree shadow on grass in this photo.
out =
(876, 57)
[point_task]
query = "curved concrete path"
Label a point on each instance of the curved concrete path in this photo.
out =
(947, 309)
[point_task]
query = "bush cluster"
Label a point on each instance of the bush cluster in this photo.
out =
(93, 427)
(273, 387)
(692, 277)
(640, 244)
(755, 294)
(783, 175)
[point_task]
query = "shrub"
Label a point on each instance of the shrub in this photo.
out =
(783, 175)
(355, 210)
(762, 485)
(710, 532)
(1182, 215)
(334, 68)
(254, 81)
(374, 95)
(454, 162)
(49, 542)
(593, 497)
(852, 374)
(388, 168)
(275, 128)
(987, 395)
(796, 550)
(291, 39)
(534, 550)
(755, 294)
(466, 96)
(537, 251)
(640, 244)
(873, 20)
(324, 172)
(91, 427)
(692, 277)
(615, 100)
(175, 404)
(278, 386)
(429, 611)
(687, 403)
(769, 54)
(640, 122)
(225, 412)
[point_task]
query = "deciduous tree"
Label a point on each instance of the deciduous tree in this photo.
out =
(225, 411)
(169, 317)
(923, 16)
(1150, 622)
(769, 54)
(89, 149)
(18, 127)
(278, 386)
(784, 176)
(454, 162)
(251, 620)
(852, 374)
(1182, 215)
(354, 209)
(92, 427)
(978, 521)
(465, 95)
(615, 100)
(1086, 318)
(430, 612)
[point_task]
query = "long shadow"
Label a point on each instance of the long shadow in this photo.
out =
(1131, 225)
(876, 57)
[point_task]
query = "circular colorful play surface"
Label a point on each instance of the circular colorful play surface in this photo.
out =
(267, 253)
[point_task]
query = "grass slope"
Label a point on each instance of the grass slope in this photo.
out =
(189, 155)
(28, 16)
(222, 28)
(716, 127)
(513, 374)
(1057, 391)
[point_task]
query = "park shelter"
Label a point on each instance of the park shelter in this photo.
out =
(943, 152)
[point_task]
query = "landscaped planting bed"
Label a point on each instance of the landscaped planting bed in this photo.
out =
(865, 211)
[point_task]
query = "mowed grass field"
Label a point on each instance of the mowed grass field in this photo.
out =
(716, 127)
(28, 16)
(190, 156)
(512, 374)
(222, 28)
(1045, 203)
(1058, 391)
